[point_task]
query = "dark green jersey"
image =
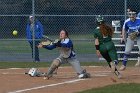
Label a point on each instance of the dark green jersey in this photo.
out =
(106, 46)
(98, 34)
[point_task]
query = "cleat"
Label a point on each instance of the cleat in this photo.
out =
(87, 75)
(84, 75)
(117, 73)
(119, 76)
(47, 76)
(81, 76)
(122, 68)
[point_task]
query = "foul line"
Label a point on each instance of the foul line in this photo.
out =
(51, 85)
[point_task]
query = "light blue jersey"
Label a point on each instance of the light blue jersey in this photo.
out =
(132, 26)
(66, 48)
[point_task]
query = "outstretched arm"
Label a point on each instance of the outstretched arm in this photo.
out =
(66, 44)
(49, 47)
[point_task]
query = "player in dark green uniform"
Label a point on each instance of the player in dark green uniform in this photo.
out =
(104, 45)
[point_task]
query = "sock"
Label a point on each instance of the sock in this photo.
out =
(125, 59)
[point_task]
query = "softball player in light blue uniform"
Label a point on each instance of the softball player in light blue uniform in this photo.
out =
(132, 24)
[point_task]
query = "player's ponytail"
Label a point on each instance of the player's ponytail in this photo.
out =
(106, 30)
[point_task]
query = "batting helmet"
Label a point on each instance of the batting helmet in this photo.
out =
(99, 19)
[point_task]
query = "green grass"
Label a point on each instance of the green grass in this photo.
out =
(23, 64)
(75, 36)
(22, 46)
(116, 88)
(84, 45)
(46, 64)
(40, 64)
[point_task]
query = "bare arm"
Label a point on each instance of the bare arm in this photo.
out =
(96, 41)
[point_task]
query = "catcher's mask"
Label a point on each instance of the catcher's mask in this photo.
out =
(99, 19)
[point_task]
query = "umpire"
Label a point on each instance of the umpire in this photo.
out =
(37, 27)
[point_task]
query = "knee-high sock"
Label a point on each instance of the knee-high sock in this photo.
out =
(125, 59)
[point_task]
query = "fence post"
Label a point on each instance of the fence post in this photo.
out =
(33, 14)
(125, 9)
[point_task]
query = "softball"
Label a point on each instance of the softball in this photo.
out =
(15, 32)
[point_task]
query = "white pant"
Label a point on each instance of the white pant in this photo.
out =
(130, 44)
(74, 63)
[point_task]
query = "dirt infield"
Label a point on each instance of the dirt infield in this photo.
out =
(66, 81)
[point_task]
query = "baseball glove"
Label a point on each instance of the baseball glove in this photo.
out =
(46, 42)
(133, 35)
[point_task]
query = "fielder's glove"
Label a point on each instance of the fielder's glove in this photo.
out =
(133, 35)
(46, 42)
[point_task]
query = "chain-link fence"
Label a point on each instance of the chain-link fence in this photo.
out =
(77, 16)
